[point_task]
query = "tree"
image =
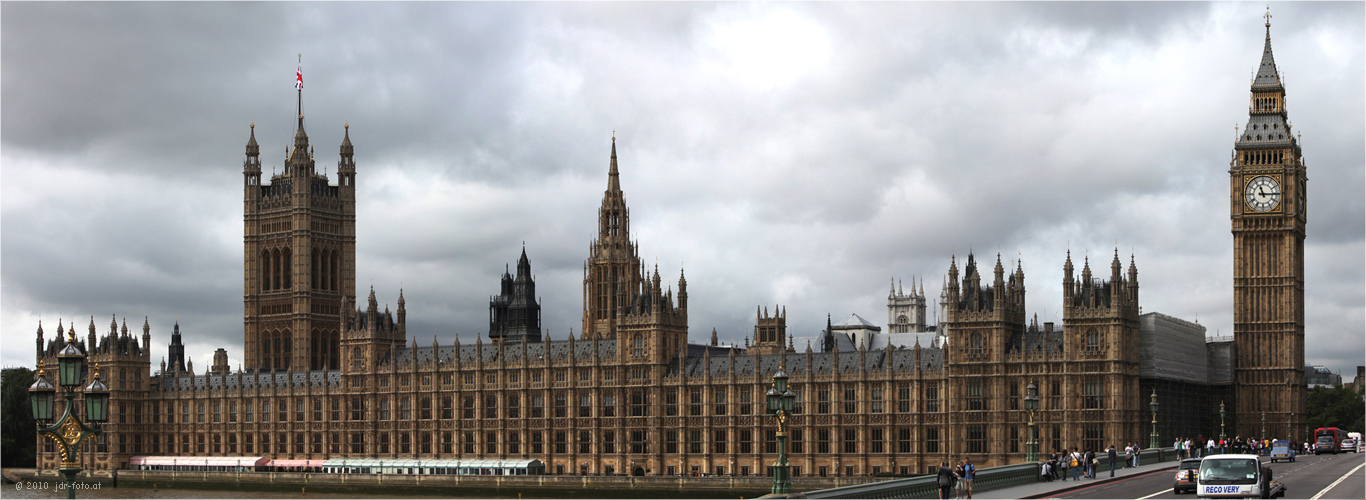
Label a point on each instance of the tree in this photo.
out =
(18, 434)
(1336, 406)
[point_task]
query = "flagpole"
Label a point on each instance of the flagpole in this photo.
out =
(300, 88)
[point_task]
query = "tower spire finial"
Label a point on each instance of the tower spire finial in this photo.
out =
(1268, 16)
(613, 182)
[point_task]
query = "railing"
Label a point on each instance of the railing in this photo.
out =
(928, 487)
(986, 479)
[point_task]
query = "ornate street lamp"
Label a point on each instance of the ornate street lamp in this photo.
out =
(1152, 404)
(1221, 421)
(1032, 404)
(69, 431)
(780, 400)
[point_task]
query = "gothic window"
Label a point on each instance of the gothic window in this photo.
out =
(851, 441)
(670, 442)
(876, 399)
(975, 399)
(1092, 341)
(1091, 436)
(823, 401)
(585, 442)
(264, 265)
(975, 344)
(332, 276)
(719, 400)
(932, 398)
(977, 439)
(637, 346)
(903, 398)
(637, 404)
(850, 401)
(1092, 395)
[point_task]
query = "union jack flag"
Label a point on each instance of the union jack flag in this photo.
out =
(299, 78)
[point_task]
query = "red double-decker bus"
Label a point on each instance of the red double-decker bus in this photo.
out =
(1328, 440)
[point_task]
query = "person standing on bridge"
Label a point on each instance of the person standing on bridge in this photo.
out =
(1075, 461)
(1114, 457)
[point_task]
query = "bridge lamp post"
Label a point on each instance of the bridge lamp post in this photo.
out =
(1152, 404)
(69, 431)
(780, 401)
(1221, 421)
(1031, 404)
(1263, 435)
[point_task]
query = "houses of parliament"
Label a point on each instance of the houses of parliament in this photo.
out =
(326, 376)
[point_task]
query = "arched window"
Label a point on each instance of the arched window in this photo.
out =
(638, 346)
(975, 344)
(264, 265)
(287, 267)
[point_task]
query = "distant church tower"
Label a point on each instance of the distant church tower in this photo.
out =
(1268, 201)
(300, 257)
(906, 312)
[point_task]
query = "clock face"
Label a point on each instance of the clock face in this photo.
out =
(1263, 193)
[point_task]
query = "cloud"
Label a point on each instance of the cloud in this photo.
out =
(787, 154)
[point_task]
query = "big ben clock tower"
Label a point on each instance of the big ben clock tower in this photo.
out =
(1267, 207)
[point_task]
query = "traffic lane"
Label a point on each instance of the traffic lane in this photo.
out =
(1318, 473)
(1304, 478)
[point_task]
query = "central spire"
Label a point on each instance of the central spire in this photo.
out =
(613, 178)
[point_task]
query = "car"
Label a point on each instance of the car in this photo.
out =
(1349, 444)
(1281, 450)
(1187, 476)
(1326, 444)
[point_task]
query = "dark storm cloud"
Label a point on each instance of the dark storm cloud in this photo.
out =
(793, 154)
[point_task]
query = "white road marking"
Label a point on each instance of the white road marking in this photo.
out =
(1335, 483)
(1154, 494)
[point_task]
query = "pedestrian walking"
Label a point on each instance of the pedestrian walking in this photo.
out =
(1063, 463)
(1114, 457)
(969, 474)
(1137, 449)
(945, 480)
(1090, 458)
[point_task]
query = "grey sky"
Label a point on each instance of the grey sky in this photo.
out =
(793, 154)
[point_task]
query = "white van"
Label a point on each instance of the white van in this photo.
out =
(1236, 476)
